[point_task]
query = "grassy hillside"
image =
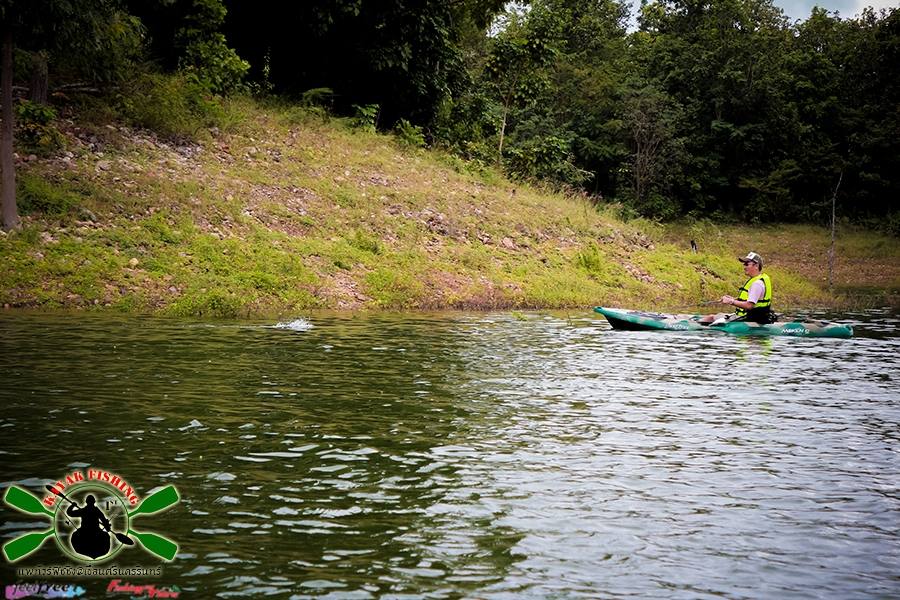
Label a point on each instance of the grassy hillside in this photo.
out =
(282, 212)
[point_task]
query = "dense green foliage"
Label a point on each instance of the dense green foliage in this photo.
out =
(403, 56)
(714, 108)
(772, 117)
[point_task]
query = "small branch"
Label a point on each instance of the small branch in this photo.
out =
(77, 87)
(831, 250)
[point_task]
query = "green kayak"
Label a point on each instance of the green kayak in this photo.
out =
(637, 320)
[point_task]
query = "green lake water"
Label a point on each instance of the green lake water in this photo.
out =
(541, 455)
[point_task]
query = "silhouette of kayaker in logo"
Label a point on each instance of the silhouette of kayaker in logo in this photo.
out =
(92, 536)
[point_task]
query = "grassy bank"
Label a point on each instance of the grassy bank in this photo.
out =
(282, 212)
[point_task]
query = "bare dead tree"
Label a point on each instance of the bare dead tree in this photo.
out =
(7, 163)
(40, 85)
(833, 224)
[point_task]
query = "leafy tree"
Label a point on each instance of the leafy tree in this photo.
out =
(187, 35)
(774, 114)
(554, 72)
(93, 36)
(517, 67)
(587, 90)
(403, 56)
(871, 92)
(467, 121)
(7, 163)
(206, 54)
(721, 61)
(822, 120)
(651, 120)
(840, 110)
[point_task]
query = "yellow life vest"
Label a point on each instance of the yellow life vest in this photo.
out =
(763, 302)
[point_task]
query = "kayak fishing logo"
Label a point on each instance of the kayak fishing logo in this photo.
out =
(91, 515)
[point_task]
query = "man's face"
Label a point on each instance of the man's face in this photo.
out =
(751, 268)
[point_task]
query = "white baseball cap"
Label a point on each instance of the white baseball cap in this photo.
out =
(752, 257)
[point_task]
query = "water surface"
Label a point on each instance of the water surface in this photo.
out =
(472, 455)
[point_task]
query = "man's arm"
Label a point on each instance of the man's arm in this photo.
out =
(745, 304)
(732, 301)
(756, 292)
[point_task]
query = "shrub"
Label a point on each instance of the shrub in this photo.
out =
(366, 117)
(174, 106)
(37, 134)
(214, 65)
(320, 96)
(390, 289)
(653, 205)
(409, 134)
(214, 303)
(37, 194)
(362, 240)
(591, 260)
(314, 106)
(547, 158)
(890, 224)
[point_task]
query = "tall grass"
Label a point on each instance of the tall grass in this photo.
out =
(283, 210)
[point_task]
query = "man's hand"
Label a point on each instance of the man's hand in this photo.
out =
(726, 299)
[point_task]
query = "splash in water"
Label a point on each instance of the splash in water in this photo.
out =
(295, 325)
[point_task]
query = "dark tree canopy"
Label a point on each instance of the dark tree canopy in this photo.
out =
(713, 108)
(401, 55)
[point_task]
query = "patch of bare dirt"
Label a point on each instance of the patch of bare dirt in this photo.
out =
(638, 273)
(280, 208)
(340, 290)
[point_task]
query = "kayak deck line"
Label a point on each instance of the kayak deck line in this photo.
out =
(636, 320)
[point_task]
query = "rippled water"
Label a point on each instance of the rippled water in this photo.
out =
(472, 455)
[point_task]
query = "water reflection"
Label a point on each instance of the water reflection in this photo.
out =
(475, 455)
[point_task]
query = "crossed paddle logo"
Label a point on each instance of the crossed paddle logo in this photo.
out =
(92, 539)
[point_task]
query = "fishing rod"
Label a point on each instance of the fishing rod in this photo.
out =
(695, 304)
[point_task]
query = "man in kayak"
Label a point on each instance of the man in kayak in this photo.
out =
(754, 299)
(92, 536)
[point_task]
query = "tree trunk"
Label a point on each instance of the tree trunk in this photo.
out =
(39, 77)
(831, 249)
(502, 134)
(7, 164)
